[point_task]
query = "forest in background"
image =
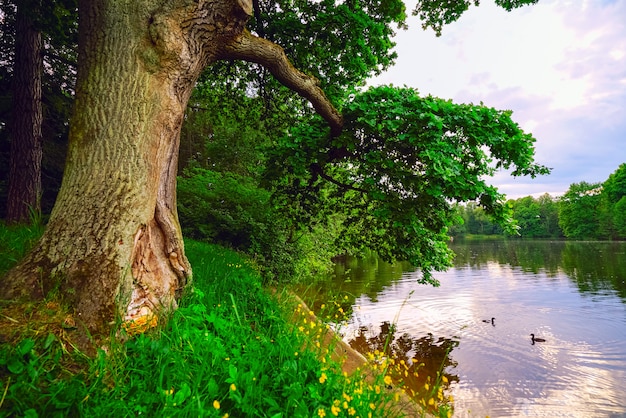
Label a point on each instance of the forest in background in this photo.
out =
(587, 211)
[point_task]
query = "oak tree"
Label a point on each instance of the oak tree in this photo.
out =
(113, 246)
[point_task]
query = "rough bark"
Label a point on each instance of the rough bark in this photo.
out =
(24, 189)
(113, 247)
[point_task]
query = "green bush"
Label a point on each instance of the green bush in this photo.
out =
(231, 210)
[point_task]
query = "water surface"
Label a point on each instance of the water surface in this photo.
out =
(572, 294)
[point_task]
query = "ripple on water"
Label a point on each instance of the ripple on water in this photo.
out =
(580, 371)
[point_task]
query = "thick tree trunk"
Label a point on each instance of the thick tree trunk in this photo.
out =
(24, 190)
(113, 247)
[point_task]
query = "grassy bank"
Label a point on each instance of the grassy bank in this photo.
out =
(229, 350)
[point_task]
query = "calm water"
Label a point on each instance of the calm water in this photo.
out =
(573, 294)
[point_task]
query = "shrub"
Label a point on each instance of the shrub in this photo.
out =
(232, 210)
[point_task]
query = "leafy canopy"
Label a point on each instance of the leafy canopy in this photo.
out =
(398, 167)
(435, 14)
(578, 210)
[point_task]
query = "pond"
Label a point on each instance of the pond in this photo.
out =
(572, 294)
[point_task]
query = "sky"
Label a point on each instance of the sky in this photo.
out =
(560, 65)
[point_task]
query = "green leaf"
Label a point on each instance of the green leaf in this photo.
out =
(15, 365)
(181, 394)
(25, 346)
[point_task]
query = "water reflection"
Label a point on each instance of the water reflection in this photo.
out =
(418, 362)
(572, 294)
(593, 266)
(596, 267)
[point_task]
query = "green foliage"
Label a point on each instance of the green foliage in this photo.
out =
(578, 211)
(340, 43)
(612, 207)
(222, 207)
(224, 131)
(586, 211)
(614, 188)
(436, 13)
(619, 218)
(15, 241)
(36, 381)
(474, 222)
(232, 210)
(399, 165)
(537, 218)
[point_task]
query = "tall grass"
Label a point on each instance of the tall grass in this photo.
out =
(15, 241)
(229, 350)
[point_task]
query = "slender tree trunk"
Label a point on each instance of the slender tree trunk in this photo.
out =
(113, 248)
(24, 190)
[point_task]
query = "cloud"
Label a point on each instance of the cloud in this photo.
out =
(559, 65)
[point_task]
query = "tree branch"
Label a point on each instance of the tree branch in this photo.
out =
(318, 170)
(251, 48)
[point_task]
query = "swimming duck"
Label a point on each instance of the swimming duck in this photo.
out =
(489, 320)
(536, 340)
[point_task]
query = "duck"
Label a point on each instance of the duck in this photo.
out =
(489, 320)
(536, 340)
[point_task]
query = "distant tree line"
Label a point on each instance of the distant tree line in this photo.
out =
(586, 211)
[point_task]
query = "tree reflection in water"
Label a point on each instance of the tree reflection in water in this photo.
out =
(419, 365)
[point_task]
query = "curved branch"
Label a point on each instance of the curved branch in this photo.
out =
(318, 170)
(251, 48)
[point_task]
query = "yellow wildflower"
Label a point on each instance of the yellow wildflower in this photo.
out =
(216, 404)
(321, 413)
(233, 387)
(323, 377)
(335, 410)
(387, 380)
